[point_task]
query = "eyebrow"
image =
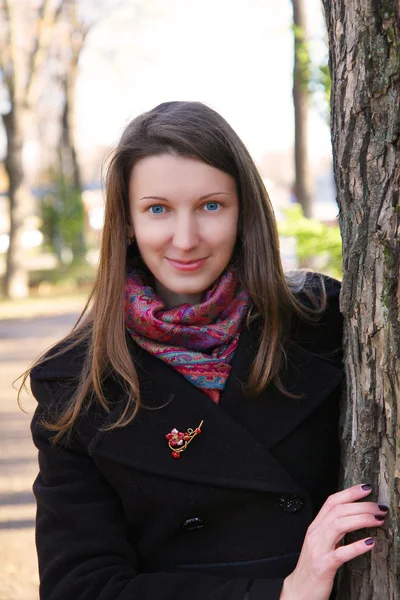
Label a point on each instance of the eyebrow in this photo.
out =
(201, 198)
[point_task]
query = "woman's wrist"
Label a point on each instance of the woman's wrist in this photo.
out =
(289, 592)
(286, 593)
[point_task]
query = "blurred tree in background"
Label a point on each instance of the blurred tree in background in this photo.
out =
(301, 78)
(41, 45)
(26, 36)
(73, 34)
(309, 80)
(63, 217)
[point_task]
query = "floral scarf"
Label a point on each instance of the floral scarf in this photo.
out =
(198, 340)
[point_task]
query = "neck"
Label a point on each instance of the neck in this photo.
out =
(171, 299)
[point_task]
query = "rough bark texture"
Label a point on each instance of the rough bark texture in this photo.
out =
(300, 103)
(364, 40)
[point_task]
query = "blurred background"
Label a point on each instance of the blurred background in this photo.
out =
(72, 74)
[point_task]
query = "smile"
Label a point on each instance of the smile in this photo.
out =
(191, 265)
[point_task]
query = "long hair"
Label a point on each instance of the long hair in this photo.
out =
(194, 130)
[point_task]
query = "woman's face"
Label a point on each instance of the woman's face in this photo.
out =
(183, 211)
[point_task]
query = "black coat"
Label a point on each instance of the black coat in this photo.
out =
(118, 518)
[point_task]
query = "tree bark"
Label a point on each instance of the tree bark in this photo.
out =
(364, 44)
(300, 104)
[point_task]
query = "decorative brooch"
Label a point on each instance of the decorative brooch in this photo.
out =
(179, 441)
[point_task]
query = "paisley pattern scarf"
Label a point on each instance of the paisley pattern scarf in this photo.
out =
(198, 340)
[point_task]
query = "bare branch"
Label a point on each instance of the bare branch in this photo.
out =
(47, 18)
(6, 48)
(79, 31)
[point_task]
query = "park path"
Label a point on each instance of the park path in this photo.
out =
(21, 341)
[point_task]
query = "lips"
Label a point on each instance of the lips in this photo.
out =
(186, 262)
(187, 265)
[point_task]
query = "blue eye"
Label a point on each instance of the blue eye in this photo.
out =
(158, 209)
(156, 206)
(214, 205)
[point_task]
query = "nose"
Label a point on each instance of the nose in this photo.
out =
(185, 236)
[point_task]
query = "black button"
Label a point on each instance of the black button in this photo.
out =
(291, 503)
(194, 523)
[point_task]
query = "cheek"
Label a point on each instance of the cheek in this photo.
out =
(149, 235)
(221, 231)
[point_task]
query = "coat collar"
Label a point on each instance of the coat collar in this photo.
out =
(238, 435)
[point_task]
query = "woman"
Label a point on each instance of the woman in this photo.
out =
(187, 427)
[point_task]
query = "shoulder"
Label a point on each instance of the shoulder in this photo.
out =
(54, 379)
(315, 282)
(60, 362)
(324, 335)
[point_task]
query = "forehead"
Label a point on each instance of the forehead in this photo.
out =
(175, 176)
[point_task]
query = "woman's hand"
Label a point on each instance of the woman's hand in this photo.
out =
(322, 554)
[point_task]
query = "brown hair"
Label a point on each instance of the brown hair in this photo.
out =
(189, 129)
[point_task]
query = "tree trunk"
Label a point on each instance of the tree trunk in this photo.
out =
(19, 70)
(16, 276)
(364, 46)
(300, 103)
(68, 121)
(70, 171)
(69, 162)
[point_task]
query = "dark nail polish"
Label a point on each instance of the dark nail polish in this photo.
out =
(366, 487)
(369, 541)
(383, 507)
(380, 517)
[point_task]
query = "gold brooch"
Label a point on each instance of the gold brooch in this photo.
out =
(178, 441)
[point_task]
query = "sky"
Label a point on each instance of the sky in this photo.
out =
(235, 56)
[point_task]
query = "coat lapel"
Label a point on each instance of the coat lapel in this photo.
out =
(272, 416)
(234, 447)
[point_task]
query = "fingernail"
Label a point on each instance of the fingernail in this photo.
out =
(383, 507)
(369, 541)
(380, 517)
(366, 487)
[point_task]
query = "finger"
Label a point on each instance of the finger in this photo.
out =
(349, 524)
(345, 553)
(327, 536)
(354, 508)
(351, 494)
